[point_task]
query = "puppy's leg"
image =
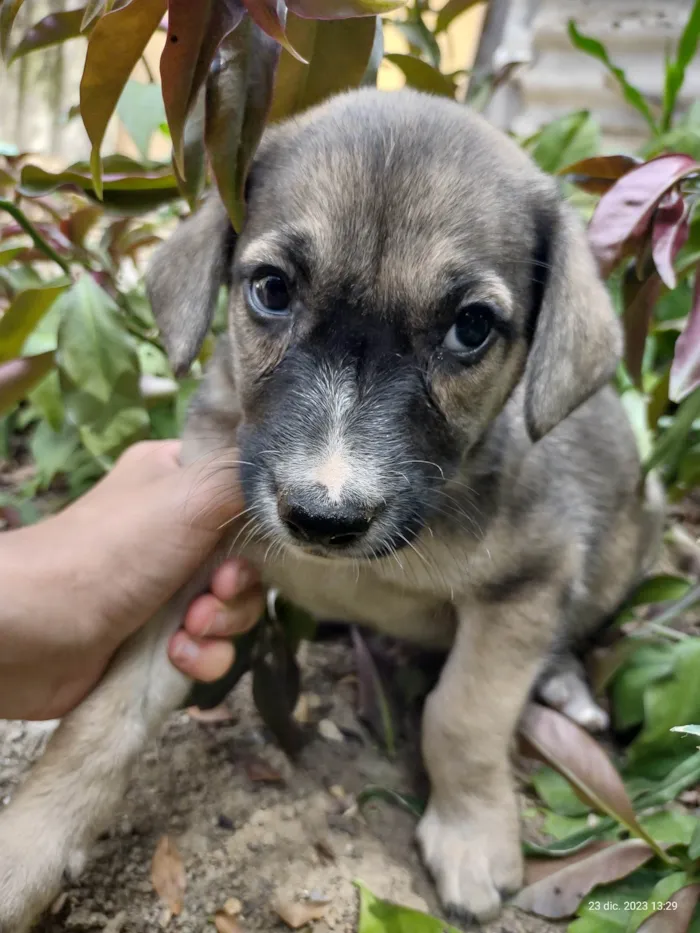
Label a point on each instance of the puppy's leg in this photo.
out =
(469, 834)
(73, 791)
(564, 687)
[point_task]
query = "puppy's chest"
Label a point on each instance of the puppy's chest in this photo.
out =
(353, 593)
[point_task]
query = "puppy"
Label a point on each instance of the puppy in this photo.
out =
(415, 378)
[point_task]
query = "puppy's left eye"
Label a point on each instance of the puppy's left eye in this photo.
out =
(472, 331)
(269, 293)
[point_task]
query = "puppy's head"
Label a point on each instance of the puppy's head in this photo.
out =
(402, 268)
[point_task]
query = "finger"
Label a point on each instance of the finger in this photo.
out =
(232, 578)
(205, 660)
(209, 617)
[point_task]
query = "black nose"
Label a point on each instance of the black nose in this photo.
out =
(336, 526)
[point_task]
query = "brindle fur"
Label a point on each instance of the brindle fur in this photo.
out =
(512, 519)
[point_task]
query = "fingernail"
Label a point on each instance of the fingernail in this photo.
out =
(185, 650)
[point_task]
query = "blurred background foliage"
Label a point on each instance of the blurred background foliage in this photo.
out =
(83, 373)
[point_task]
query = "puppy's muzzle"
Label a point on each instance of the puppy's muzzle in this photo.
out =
(312, 521)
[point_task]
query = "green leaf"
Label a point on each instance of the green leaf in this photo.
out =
(37, 238)
(422, 76)
(46, 398)
(127, 186)
(608, 908)
(338, 52)
(238, 100)
(17, 377)
(377, 916)
(563, 827)
(53, 452)
(673, 826)
(669, 448)
(141, 110)
(598, 51)
(568, 139)
(645, 666)
(116, 43)
(684, 775)
(20, 319)
(420, 37)
(450, 11)
(675, 69)
(659, 894)
(557, 793)
(99, 371)
(668, 702)
(659, 589)
(51, 30)
(606, 828)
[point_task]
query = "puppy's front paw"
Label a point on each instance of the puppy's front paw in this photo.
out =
(473, 852)
(34, 861)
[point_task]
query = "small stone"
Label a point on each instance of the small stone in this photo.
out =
(328, 729)
(233, 907)
(224, 822)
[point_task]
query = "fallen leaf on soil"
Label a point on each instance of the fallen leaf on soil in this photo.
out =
(556, 887)
(261, 772)
(674, 919)
(217, 714)
(226, 924)
(297, 914)
(168, 874)
(571, 751)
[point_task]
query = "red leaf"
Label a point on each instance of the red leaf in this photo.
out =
(669, 233)
(685, 369)
(640, 298)
(626, 209)
(195, 32)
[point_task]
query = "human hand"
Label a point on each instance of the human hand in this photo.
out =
(78, 584)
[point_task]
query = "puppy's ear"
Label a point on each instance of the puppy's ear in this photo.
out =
(184, 278)
(577, 339)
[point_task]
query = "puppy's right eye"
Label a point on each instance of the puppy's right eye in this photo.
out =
(268, 293)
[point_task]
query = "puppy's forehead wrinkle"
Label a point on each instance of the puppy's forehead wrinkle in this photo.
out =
(392, 199)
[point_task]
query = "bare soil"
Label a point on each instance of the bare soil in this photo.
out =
(254, 840)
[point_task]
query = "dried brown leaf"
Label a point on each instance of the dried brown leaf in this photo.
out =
(219, 713)
(297, 914)
(224, 923)
(168, 874)
(556, 887)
